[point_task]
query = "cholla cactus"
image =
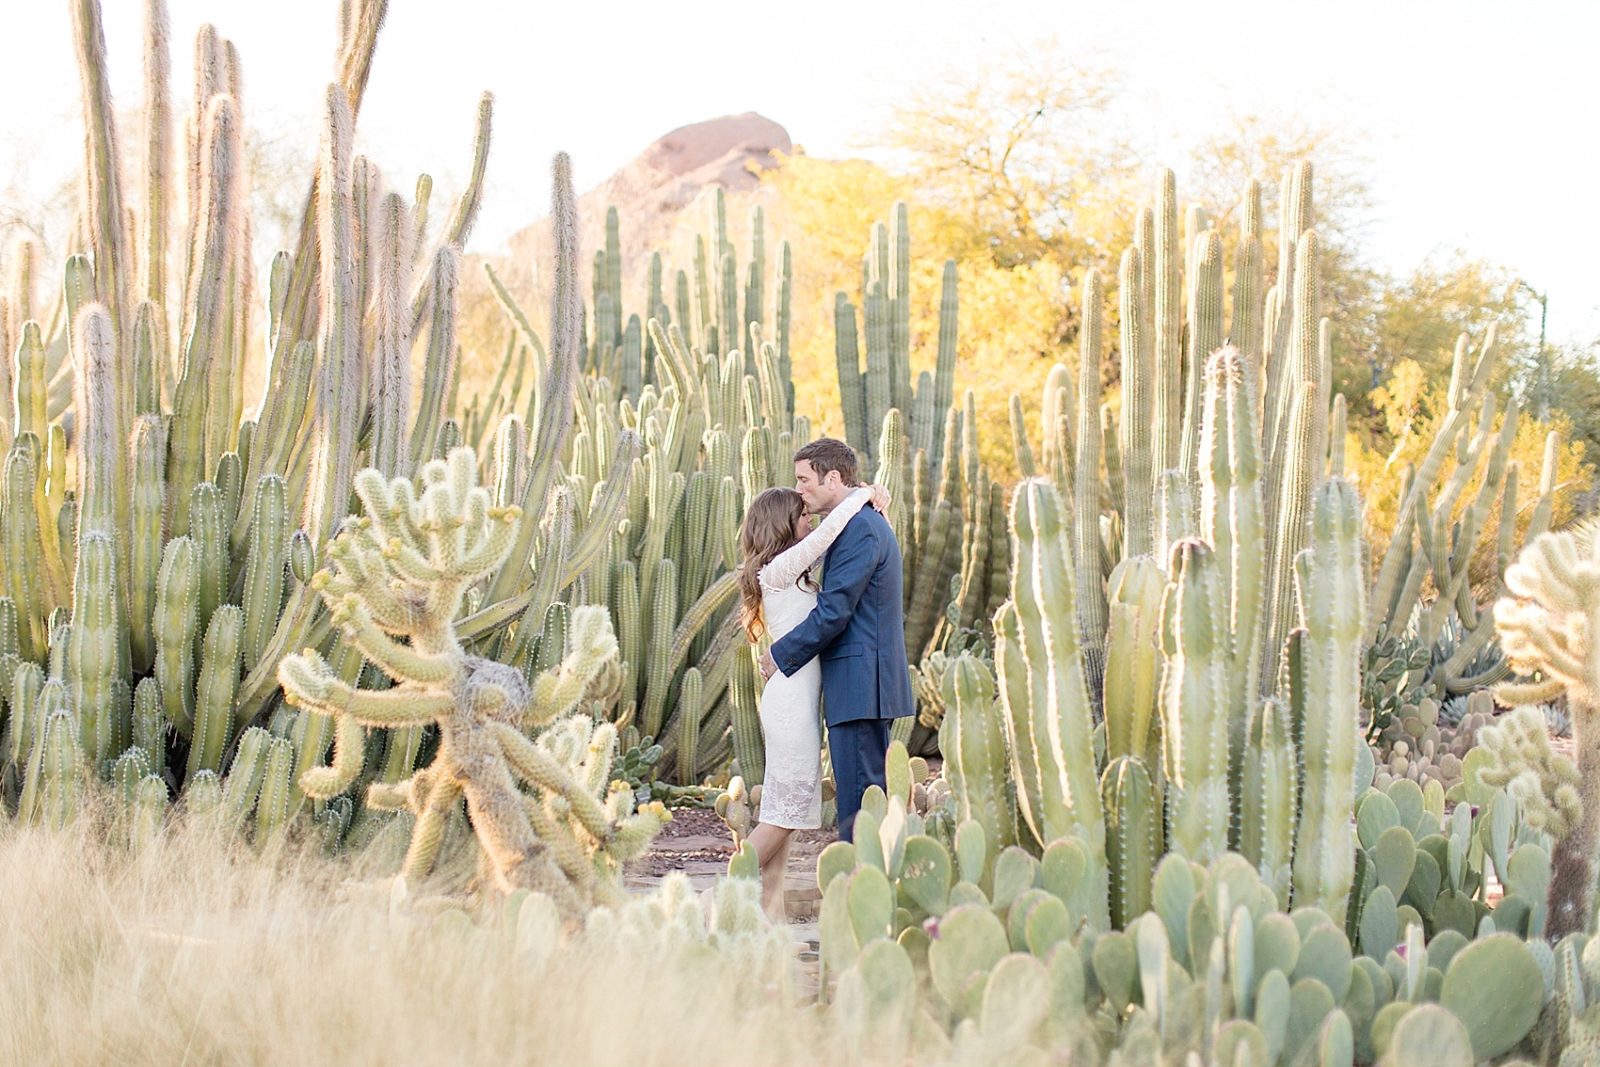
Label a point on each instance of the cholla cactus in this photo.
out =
(1547, 628)
(1542, 781)
(404, 569)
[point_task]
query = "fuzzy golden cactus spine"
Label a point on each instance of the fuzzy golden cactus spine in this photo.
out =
(403, 568)
(1547, 625)
(1332, 595)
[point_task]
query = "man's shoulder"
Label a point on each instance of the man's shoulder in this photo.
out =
(870, 522)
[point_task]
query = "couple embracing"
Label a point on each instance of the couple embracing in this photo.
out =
(840, 643)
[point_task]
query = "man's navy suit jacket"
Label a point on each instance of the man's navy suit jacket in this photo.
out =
(857, 627)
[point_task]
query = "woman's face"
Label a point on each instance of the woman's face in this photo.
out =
(802, 526)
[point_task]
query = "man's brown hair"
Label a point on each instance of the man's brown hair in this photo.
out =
(830, 454)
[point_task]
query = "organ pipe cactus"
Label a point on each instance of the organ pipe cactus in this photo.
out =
(402, 569)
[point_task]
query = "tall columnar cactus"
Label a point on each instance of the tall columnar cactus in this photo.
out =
(1133, 835)
(973, 742)
(1042, 683)
(1548, 624)
(1133, 656)
(868, 394)
(1137, 426)
(1269, 796)
(1089, 582)
(1164, 281)
(716, 421)
(1231, 522)
(1298, 454)
(402, 569)
(167, 526)
(1194, 699)
(1332, 598)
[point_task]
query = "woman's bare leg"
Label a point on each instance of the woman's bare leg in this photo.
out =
(772, 851)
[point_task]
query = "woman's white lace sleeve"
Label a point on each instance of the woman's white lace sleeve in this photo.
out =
(786, 568)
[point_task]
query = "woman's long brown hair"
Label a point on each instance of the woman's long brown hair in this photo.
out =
(767, 532)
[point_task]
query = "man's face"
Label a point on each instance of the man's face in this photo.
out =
(818, 493)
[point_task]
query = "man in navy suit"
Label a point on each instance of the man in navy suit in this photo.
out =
(857, 627)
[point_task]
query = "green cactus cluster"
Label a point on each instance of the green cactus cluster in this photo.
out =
(150, 518)
(161, 537)
(996, 955)
(876, 377)
(922, 443)
(707, 412)
(1200, 719)
(1422, 744)
(1236, 458)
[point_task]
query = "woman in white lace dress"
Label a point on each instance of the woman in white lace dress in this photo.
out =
(778, 591)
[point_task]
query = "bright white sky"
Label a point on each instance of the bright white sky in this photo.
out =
(1479, 118)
